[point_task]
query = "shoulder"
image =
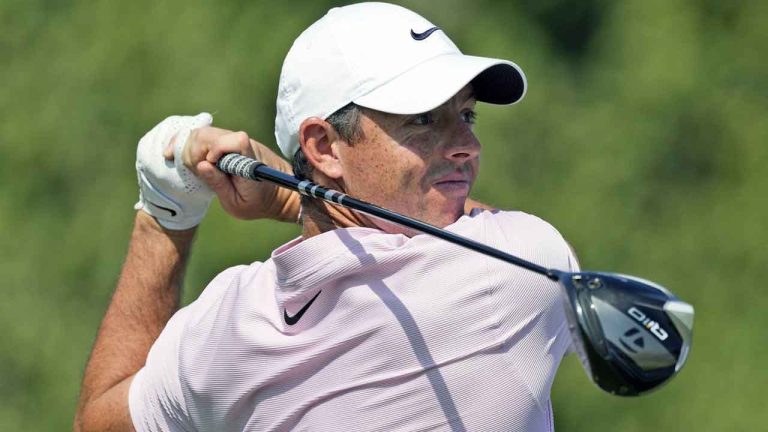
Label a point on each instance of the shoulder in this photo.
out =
(532, 224)
(517, 222)
(208, 303)
(224, 280)
(526, 235)
(222, 287)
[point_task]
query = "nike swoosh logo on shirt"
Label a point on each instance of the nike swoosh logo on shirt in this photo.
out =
(171, 211)
(424, 35)
(291, 320)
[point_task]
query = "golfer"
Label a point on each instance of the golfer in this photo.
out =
(357, 324)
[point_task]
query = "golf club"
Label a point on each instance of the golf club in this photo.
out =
(631, 335)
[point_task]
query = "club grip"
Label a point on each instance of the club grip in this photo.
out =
(238, 165)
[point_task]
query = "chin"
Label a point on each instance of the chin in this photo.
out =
(437, 212)
(452, 212)
(444, 219)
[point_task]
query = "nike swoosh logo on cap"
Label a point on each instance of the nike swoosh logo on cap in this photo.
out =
(424, 35)
(171, 211)
(291, 320)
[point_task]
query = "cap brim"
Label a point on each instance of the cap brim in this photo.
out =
(433, 82)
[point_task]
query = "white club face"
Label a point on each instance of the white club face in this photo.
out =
(681, 314)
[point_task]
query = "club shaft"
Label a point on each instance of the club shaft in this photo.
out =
(242, 166)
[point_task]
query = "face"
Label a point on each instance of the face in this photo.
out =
(422, 165)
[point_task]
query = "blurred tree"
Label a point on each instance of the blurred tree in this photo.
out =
(642, 139)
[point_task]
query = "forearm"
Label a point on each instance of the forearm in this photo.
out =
(284, 204)
(146, 296)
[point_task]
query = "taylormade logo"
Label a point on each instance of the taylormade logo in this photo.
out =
(651, 325)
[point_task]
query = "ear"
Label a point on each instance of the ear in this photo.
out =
(318, 141)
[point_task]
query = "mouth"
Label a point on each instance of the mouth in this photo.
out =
(453, 184)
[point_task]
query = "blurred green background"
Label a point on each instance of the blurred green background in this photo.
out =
(642, 138)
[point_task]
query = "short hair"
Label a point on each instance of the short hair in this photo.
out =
(346, 122)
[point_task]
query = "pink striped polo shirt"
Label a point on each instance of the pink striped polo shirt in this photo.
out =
(357, 329)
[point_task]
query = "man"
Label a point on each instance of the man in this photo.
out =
(357, 324)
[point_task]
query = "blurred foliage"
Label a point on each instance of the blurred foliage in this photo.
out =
(642, 138)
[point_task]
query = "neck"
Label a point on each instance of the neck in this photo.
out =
(319, 216)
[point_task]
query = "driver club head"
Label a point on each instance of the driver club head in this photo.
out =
(631, 335)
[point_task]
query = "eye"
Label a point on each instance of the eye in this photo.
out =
(423, 119)
(469, 117)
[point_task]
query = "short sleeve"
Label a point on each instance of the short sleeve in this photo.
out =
(156, 400)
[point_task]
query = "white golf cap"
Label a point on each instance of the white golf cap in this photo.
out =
(383, 57)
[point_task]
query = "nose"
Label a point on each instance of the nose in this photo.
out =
(462, 145)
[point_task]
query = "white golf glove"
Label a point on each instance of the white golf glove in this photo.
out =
(167, 189)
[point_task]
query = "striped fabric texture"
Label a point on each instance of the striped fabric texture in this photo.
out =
(389, 333)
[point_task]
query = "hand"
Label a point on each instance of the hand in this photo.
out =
(244, 199)
(168, 190)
